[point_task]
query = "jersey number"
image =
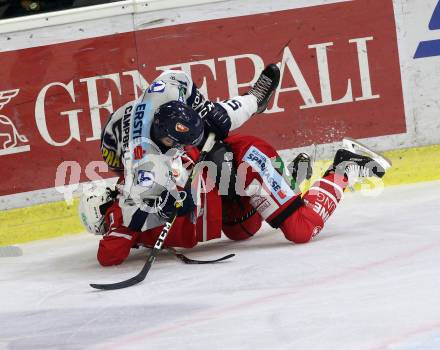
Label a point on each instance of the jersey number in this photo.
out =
(234, 104)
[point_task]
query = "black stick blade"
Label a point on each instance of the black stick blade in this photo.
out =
(131, 281)
(187, 260)
(119, 285)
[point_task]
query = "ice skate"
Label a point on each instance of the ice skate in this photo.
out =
(356, 162)
(355, 146)
(265, 86)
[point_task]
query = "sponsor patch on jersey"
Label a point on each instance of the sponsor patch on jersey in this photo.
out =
(157, 86)
(126, 127)
(271, 178)
(145, 178)
(110, 157)
(138, 152)
(181, 128)
(260, 199)
(138, 120)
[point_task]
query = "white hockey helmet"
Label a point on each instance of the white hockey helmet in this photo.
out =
(89, 208)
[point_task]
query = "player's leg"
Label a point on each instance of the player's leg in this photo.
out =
(319, 203)
(255, 101)
(270, 194)
(259, 179)
(321, 200)
(220, 118)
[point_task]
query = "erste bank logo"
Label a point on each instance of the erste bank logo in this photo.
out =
(430, 48)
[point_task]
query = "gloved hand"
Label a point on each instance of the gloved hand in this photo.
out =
(301, 168)
(188, 204)
(216, 120)
(166, 203)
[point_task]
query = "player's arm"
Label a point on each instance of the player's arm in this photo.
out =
(221, 117)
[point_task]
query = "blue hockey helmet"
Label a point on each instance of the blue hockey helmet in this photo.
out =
(178, 122)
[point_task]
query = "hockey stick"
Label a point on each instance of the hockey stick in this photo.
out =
(163, 235)
(190, 261)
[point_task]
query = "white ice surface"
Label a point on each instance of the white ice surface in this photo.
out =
(370, 281)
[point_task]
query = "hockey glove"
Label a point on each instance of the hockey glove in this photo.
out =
(188, 202)
(166, 204)
(301, 168)
(216, 120)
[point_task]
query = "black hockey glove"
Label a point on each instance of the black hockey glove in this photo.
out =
(167, 204)
(188, 204)
(216, 120)
(301, 168)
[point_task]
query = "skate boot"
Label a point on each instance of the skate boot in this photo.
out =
(265, 86)
(356, 161)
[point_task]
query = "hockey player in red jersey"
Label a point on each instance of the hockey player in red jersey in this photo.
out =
(154, 141)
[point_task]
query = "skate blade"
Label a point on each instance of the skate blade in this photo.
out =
(355, 146)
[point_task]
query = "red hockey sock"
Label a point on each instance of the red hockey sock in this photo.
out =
(325, 194)
(320, 202)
